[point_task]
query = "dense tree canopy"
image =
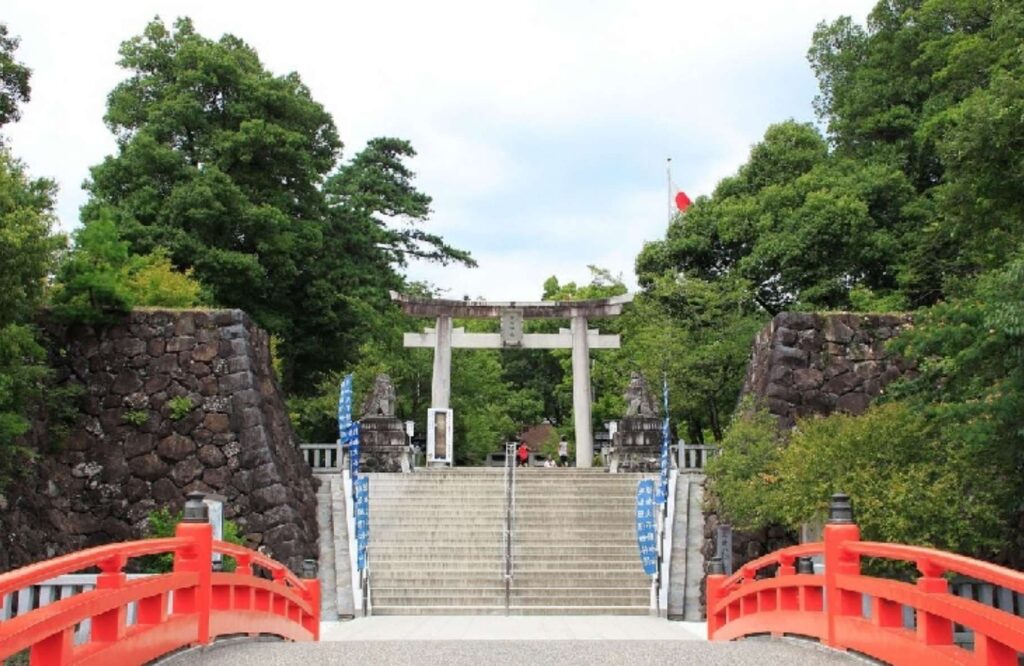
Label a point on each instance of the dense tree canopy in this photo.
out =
(235, 171)
(14, 79)
(914, 201)
(28, 252)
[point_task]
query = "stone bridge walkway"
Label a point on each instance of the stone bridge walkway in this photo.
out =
(498, 640)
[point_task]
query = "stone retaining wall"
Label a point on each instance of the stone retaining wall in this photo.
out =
(805, 364)
(174, 401)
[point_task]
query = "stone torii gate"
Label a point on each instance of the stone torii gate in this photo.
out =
(442, 338)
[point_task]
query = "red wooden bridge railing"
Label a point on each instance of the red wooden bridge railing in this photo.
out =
(203, 604)
(848, 610)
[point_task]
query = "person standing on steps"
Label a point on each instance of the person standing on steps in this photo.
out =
(523, 454)
(563, 452)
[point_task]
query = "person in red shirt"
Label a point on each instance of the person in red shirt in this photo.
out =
(523, 454)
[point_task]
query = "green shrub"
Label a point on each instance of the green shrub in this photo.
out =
(135, 417)
(152, 280)
(100, 280)
(179, 407)
(89, 287)
(744, 479)
(911, 480)
(162, 524)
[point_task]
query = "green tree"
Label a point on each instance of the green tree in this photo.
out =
(28, 250)
(14, 79)
(235, 171)
(803, 228)
(698, 334)
(100, 281)
(934, 88)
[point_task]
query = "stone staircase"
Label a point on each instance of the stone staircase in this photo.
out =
(687, 569)
(436, 543)
(575, 550)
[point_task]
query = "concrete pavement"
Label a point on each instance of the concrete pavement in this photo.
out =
(500, 641)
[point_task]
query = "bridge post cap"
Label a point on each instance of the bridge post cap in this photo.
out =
(840, 510)
(716, 567)
(309, 569)
(804, 565)
(195, 509)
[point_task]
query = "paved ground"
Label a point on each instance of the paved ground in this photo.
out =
(515, 627)
(500, 653)
(497, 641)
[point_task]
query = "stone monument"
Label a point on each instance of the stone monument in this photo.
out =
(382, 442)
(636, 446)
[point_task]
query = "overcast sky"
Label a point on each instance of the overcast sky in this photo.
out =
(542, 127)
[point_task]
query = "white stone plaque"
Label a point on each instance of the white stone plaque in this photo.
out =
(215, 509)
(439, 435)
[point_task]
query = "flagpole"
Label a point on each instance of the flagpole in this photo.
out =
(668, 178)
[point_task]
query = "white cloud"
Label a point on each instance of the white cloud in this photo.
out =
(510, 105)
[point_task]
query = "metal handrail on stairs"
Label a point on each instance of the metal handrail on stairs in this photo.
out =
(510, 515)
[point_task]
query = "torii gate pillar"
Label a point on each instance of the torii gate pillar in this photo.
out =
(579, 338)
(581, 393)
(441, 384)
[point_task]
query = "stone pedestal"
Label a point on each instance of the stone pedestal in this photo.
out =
(382, 445)
(637, 445)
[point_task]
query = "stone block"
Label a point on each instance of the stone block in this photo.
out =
(184, 324)
(148, 467)
(137, 444)
(235, 383)
(166, 364)
(266, 498)
(239, 364)
(127, 381)
(211, 456)
(807, 378)
(853, 403)
(130, 346)
(216, 422)
(841, 384)
(180, 344)
(217, 478)
(798, 321)
(786, 336)
(790, 356)
(232, 332)
(176, 447)
(186, 471)
(205, 352)
(783, 392)
(165, 492)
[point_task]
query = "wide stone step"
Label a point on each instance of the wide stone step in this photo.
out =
(512, 610)
(522, 535)
(521, 580)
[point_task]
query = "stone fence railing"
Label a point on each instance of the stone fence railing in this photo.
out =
(695, 458)
(322, 458)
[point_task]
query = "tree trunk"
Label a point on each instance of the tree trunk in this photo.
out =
(716, 426)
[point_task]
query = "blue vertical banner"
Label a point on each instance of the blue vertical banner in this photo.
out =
(348, 432)
(362, 488)
(645, 526)
(666, 463)
(351, 437)
(345, 406)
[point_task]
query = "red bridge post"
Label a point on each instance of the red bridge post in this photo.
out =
(195, 526)
(715, 579)
(839, 531)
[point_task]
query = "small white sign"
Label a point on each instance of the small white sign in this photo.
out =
(439, 435)
(215, 509)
